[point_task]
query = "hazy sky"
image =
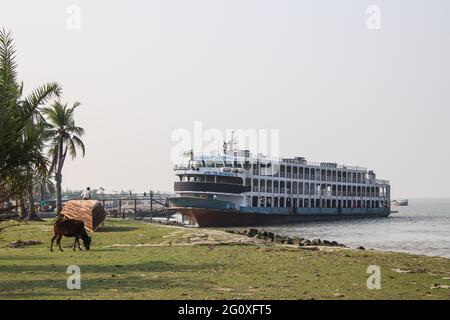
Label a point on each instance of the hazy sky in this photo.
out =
(337, 91)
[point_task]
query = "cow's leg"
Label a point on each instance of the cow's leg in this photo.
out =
(58, 241)
(79, 247)
(51, 244)
(74, 243)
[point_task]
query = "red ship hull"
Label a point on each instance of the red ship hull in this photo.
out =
(236, 218)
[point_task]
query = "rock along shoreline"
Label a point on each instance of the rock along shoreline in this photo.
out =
(276, 238)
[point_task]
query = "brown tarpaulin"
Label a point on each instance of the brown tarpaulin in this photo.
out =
(91, 212)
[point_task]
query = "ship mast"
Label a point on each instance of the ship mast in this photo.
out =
(229, 147)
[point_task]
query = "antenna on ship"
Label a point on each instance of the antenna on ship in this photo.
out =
(228, 147)
(233, 141)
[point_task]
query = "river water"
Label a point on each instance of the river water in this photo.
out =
(421, 228)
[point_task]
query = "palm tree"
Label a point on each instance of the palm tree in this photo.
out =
(21, 154)
(64, 137)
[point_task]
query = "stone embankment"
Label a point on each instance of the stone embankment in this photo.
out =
(276, 238)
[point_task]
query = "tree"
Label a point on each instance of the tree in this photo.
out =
(21, 132)
(64, 137)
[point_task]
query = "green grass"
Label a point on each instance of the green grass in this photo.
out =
(204, 272)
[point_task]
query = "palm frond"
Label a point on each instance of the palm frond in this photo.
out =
(77, 141)
(44, 93)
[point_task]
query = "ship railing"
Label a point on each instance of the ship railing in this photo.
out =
(187, 169)
(266, 159)
(182, 167)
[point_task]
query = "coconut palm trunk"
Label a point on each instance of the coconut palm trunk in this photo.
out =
(58, 175)
(42, 191)
(22, 210)
(31, 211)
(58, 179)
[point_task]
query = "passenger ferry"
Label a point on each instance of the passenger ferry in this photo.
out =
(238, 189)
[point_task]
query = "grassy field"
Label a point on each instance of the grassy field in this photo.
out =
(133, 260)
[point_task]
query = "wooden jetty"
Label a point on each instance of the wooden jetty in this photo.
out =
(135, 205)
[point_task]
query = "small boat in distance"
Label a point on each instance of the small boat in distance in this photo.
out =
(400, 203)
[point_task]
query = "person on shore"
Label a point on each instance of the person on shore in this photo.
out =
(86, 195)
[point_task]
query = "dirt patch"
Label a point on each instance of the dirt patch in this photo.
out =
(439, 286)
(24, 243)
(223, 289)
(402, 271)
(198, 237)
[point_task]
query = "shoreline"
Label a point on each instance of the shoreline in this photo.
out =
(265, 228)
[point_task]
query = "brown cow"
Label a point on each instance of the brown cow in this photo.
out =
(70, 228)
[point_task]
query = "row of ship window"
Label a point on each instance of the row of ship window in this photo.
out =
(315, 189)
(282, 202)
(314, 174)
